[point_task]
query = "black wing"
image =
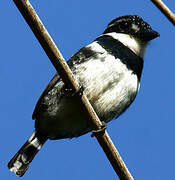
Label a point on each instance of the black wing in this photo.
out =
(81, 56)
(51, 84)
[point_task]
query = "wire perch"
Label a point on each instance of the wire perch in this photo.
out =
(165, 10)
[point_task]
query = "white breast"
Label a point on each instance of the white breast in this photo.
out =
(109, 85)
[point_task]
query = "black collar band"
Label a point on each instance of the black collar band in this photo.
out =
(120, 51)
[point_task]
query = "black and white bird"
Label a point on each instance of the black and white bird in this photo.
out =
(108, 69)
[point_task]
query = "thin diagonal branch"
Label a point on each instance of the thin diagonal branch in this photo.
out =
(62, 68)
(165, 10)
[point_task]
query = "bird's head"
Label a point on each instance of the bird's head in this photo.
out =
(132, 25)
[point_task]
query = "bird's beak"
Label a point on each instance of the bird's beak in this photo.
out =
(149, 35)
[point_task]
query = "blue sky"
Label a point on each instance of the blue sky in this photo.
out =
(144, 135)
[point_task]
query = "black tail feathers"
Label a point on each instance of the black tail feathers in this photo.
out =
(20, 162)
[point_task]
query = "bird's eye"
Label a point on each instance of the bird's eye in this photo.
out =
(124, 25)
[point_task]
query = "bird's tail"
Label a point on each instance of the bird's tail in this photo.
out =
(20, 162)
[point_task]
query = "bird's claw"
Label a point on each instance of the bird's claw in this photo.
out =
(72, 93)
(101, 130)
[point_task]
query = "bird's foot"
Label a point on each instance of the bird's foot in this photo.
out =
(70, 92)
(101, 130)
